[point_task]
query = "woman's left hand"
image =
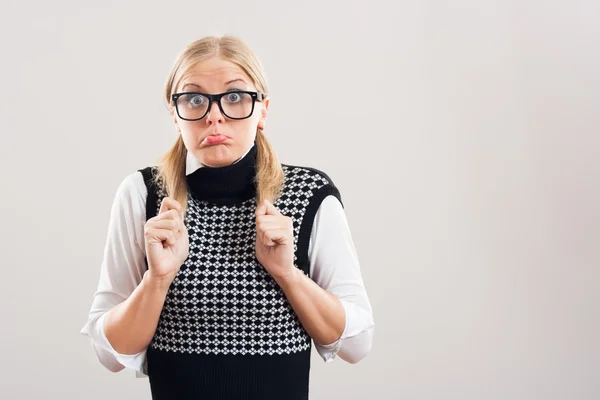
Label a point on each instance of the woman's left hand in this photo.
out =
(274, 241)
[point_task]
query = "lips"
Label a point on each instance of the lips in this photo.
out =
(215, 139)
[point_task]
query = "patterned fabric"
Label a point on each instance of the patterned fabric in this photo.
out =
(223, 301)
(223, 309)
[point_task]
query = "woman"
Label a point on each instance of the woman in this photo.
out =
(221, 263)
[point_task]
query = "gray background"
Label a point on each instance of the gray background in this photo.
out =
(463, 136)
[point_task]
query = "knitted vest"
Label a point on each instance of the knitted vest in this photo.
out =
(226, 330)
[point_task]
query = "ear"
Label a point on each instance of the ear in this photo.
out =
(263, 114)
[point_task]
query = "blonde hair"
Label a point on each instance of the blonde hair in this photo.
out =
(171, 169)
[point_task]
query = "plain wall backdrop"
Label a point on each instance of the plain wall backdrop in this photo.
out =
(463, 136)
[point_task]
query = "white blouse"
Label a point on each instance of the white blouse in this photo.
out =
(334, 266)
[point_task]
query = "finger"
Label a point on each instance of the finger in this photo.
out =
(159, 227)
(169, 203)
(274, 237)
(267, 208)
(169, 224)
(161, 235)
(264, 222)
(267, 225)
(263, 240)
(170, 214)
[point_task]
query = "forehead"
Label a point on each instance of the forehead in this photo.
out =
(214, 71)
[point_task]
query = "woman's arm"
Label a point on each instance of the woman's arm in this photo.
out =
(122, 286)
(130, 325)
(333, 306)
(320, 312)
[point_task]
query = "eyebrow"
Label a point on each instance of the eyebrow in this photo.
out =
(226, 83)
(235, 80)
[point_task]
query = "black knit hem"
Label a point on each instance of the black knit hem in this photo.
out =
(183, 376)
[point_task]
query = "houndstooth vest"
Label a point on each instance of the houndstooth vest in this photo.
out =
(226, 330)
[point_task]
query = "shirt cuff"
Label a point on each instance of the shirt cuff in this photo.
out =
(357, 322)
(95, 331)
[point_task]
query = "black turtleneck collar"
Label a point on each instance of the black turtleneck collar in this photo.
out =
(230, 184)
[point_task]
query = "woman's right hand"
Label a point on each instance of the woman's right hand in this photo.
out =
(167, 242)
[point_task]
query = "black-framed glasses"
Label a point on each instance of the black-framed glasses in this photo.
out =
(235, 104)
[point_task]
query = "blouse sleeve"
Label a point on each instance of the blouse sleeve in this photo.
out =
(334, 266)
(123, 266)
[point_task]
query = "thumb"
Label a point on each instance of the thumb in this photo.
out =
(271, 209)
(261, 209)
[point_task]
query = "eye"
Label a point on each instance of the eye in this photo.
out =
(196, 100)
(233, 97)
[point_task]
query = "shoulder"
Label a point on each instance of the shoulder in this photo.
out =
(148, 174)
(130, 198)
(309, 180)
(132, 187)
(297, 173)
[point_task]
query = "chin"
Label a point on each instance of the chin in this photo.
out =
(217, 156)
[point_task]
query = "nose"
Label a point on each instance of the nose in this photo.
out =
(214, 114)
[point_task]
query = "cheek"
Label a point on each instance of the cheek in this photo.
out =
(190, 132)
(243, 128)
(255, 119)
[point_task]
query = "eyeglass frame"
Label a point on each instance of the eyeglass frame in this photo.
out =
(217, 98)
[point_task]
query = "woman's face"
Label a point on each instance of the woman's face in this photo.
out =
(217, 140)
